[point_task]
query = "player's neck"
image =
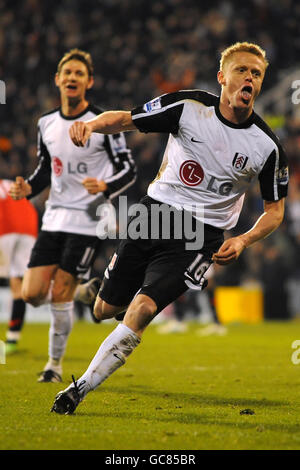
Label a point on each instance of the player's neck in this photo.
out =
(232, 114)
(73, 107)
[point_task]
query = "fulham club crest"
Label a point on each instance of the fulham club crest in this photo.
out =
(239, 162)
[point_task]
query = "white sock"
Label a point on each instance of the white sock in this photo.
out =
(60, 328)
(111, 355)
(13, 335)
(55, 365)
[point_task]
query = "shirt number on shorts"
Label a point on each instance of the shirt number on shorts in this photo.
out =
(194, 274)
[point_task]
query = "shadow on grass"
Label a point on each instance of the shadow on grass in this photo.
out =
(195, 419)
(180, 398)
(17, 352)
(169, 407)
(173, 410)
(67, 360)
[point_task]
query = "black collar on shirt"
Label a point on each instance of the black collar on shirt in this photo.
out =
(70, 118)
(243, 125)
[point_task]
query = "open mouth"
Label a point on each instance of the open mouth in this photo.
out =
(246, 93)
(71, 87)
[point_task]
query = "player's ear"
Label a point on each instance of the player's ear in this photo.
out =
(90, 83)
(56, 79)
(221, 77)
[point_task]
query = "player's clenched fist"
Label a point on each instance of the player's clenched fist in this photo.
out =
(93, 186)
(229, 251)
(80, 133)
(19, 189)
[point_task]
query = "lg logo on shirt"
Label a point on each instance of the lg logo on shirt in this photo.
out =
(191, 174)
(223, 189)
(72, 167)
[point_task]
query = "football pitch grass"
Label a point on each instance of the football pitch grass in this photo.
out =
(175, 392)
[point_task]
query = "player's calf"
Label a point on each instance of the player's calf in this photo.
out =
(64, 286)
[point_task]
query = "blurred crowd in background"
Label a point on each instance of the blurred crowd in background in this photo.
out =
(142, 49)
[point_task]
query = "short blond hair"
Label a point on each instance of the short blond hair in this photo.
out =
(243, 47)
(77, 54)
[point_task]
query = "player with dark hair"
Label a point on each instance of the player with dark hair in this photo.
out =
(217, 147)
(67, 244)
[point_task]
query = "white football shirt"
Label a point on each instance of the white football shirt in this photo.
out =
(209, 162)
(64, 166)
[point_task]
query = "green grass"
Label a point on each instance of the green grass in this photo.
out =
(175, 392)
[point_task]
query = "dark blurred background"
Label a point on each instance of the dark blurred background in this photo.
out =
(142, 49)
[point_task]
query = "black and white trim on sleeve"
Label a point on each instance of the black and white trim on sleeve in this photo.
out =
(163, 114)
(125, 168)
(273, 178)
(41, 177)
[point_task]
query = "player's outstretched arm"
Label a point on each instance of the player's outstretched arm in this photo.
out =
(19, 189)
(110, 122)
(265, 225)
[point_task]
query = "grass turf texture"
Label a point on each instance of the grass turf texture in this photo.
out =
(175, 392)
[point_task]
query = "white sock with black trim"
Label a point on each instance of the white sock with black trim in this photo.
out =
(111, 355)
(60, 328)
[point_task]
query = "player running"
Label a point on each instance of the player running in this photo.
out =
(18, 232)
(67, 244)
(217, 147)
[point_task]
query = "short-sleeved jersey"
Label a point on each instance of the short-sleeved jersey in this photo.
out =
(64, 166)
(210, 162)
(16, 216)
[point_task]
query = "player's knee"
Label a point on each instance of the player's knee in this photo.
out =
(98, 308)
(34, 298)
(142, 308)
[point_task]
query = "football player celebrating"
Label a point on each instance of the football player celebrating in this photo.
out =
(216, 148)
(67, 244)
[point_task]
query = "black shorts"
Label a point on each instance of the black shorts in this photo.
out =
(162, 269)
(74, 253)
